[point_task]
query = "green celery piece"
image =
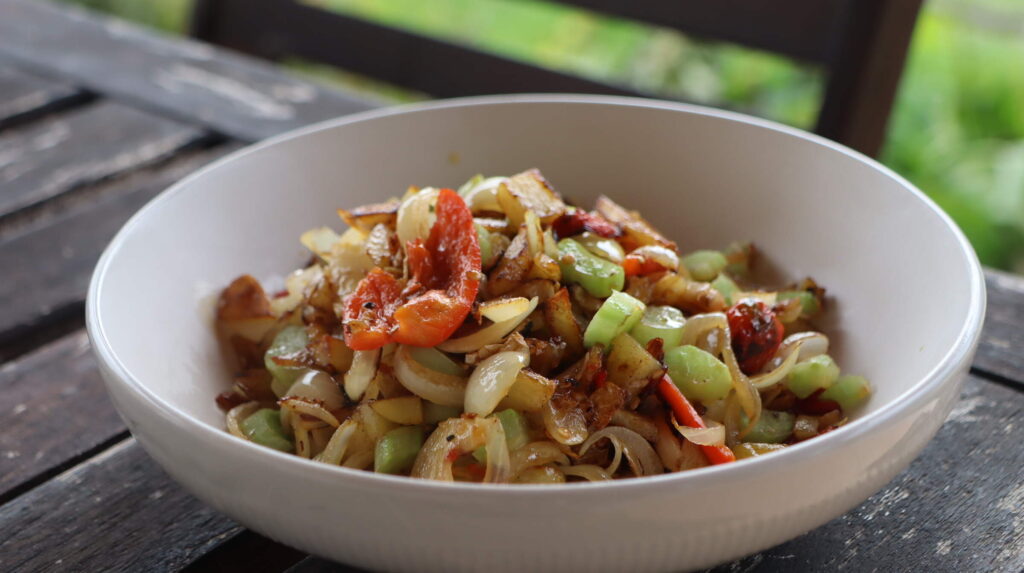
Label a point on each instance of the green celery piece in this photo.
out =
(704, 265)
(517, 433)
(579, 266)
(264, 428)
(664, 322)
(771, 428)
(809, 305)
(396, 450)
(726, 286)
(848, 391)
(290, 340)
(484, 238)
(698, 374)
(436, 360)
(618, 314)
(811, 375)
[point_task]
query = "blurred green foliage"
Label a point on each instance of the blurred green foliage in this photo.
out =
(957, 130)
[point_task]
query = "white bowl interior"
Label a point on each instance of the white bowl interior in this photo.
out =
(896, 275)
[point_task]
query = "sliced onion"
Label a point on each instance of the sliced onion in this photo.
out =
(489, 334)
(642, 458)
(237, 415)
(361, 460)
(713, 435)
(537, 454)
(338, 445)
(437, 387)
(668, 447)
(502, 309)
(457, 436)
(415, 216)
(665, 257)
(635, 422)
(317, 387)
(769, 379)
(588, 472)
(483, 196)
(295, 284)
(303, 445)
(567, 426)
(306, 406)
(362, 372)
(747, 396)
(494, 376)
(699, 324)
(805, 344)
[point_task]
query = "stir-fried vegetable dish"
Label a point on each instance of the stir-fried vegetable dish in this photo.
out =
(499, 334)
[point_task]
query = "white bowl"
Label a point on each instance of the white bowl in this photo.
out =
(909, 300)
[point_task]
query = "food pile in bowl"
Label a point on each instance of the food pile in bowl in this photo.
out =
(499, 334)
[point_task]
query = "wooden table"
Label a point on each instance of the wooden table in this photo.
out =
(97, 117)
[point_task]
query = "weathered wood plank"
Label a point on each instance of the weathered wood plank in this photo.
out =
(235, 95)
(1001, 351)
(47, 265)
(24, 95)
(115, 512)
(957, 508)
(43, 160)
(245, 553)
(55, 411)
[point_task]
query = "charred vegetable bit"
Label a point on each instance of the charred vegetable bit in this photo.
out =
(756, 334)
(592, 349)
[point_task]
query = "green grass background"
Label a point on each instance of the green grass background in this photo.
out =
(957, 130)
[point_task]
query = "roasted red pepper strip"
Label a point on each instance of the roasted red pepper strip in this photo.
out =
(445, 276)
(576, 221)
(369, 311)
(688, 416)
(447, 268)
(756, 334)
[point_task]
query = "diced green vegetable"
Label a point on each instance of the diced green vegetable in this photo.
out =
(698, 375)
(664, 322)
(771, 428)
(436, 360)
(848, 391)
(396, 450)
(517, 433)
(579, 266)
(290, 340)
(605, 248)
(744, 451)
(484, 238)
(264, 428)
(435, 413)
(618, 314)
(726, 286)
(704, 265)
(809, 305)
(811, 375)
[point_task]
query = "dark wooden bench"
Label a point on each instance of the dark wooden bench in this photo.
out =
(860, 44)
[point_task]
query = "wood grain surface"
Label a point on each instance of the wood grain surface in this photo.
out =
(235, 95)
(49, 263)
(46, 159)
(24, 96)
